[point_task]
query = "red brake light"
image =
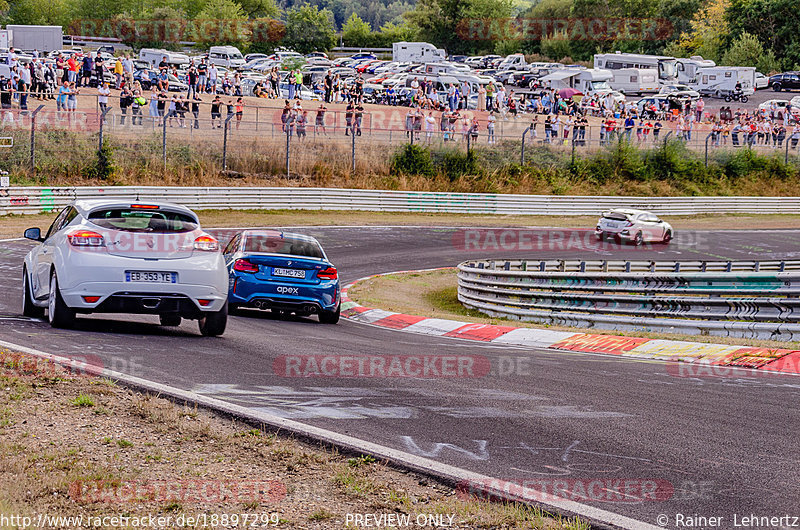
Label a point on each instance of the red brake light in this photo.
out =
(206, 243)
(85, 238)
(242, 265)
(91, 299)
(203, 302)
(328, 274)
(144, 206)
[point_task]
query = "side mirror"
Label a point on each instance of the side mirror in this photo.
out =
(34, 234)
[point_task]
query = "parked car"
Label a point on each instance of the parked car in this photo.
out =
(785, 81)
(112, 256)
(634, 226)
(761, 81)
(284, 272)
(679, 92)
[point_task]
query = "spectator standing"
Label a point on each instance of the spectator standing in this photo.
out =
(202, 75)
(118, 72)
(239, 107)
(216, 115)
(196, 110)
(102, 96)
(125, 101)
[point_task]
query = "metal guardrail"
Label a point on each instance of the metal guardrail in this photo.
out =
(22, 200)
(751, 299)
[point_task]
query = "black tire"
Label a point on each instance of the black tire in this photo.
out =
(58, 313)
(744, 99)
(776, 87)
(601, 236)
(638, 240)
(213, 323)
(233, 309)
(668, 236)
(330, 317)
(170, 319)
(28, 307)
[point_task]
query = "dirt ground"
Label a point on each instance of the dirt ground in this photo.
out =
(72, 445)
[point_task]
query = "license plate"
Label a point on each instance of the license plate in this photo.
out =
(289, 273)
(151, 277)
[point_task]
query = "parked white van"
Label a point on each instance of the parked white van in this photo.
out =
(228, 56)
(154, 56)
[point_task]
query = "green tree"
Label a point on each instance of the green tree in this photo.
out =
(747, 50)
(461, 26)
(309, 29)
(260, 8)
(221, 22)
(774, 22)
(356, 32)
(39, 12)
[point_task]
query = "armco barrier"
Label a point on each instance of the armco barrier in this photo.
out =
(21, 200)
(748, 299)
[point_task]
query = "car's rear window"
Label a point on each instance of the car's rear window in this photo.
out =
(136, 220)
(281, 244)
(615, 216)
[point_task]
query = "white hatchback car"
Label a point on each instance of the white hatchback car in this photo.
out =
(633, 226)
(111, 256)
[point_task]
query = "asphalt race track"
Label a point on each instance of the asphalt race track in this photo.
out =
(715, 446)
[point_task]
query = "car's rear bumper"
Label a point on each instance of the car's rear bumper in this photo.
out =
(144, 298)
(298, 297)
(626, 236)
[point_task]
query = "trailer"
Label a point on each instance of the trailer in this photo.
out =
(721, 81)
(666, 66)
(589, 81)
(687, 69)
(417, 52)
(635, 80)
(41, 38)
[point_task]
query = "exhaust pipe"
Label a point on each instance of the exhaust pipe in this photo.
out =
(311, 309)
(257, 304)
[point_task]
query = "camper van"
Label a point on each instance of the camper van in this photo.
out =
(666, 66)
(720, 81)
(515, 61)
(635, 80)
(154, 56)
(589, 81)
(226, 56)
(417, 52)
(687, 69)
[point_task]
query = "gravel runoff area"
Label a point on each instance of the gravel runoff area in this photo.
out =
(72, 445)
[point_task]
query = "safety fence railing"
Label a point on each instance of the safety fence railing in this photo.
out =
(751, 299)
(21, 200)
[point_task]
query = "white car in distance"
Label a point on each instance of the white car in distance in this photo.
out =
(111, 256)
(633, 226)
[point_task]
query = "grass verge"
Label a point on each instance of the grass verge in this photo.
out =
(81, 446)
(434, 294)
(14, 225)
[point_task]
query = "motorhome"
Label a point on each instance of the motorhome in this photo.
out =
(687, 69)
(154, 56)
(226, 56)
(417, 52)
(635, 80)
(589, 81)
(721, 81)
(666, 66)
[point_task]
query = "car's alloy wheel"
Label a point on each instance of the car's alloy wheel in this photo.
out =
(213, 323)
(668, 236)
(776, 87)
(59, 315)
(28, 307)
(638, 240)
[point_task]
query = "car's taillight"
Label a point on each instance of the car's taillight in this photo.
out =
(242, 265)
(328, 274)
(85, 238)
(629, 224)
(206, 243)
